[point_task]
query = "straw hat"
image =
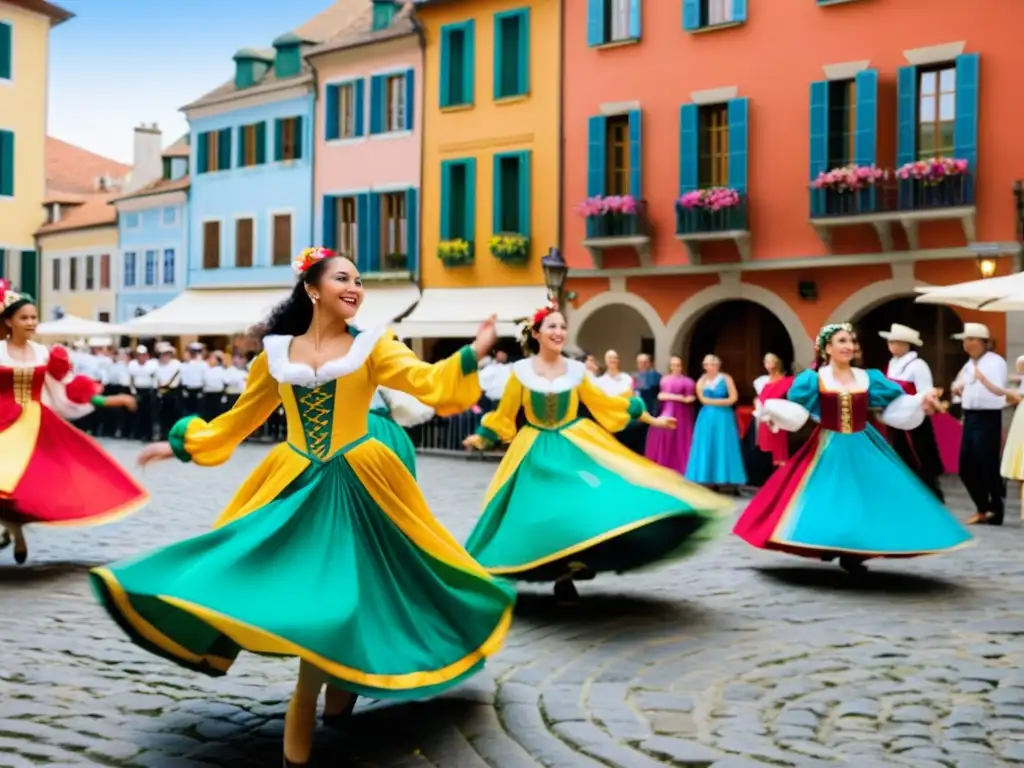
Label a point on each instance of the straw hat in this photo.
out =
(974, 331)
(902, 333)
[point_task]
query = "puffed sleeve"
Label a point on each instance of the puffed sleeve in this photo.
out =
(405, 409)
(449, 387)
(613, 412)
(792, 413)
(210, 444)
(900, 411)
(71, 397)
(499, 426)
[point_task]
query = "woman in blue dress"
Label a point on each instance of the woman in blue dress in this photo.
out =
(716, 458)
(846, 493)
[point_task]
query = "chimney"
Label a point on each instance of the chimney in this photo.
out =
(147, 163)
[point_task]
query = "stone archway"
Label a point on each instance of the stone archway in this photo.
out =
(871, 296)
(621, 321)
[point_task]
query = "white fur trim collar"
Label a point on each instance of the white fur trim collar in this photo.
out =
(575, 371)
(828, 379)
(42, 354)
(299, 374)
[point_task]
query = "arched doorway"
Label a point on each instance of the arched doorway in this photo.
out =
(741, 333)
(618, 327)
(936, 324)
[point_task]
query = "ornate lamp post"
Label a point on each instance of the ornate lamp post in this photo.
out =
(555, 272)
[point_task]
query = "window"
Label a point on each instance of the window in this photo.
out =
(617, 162)
(6, 163)
(512, 193)
(168, 266)
(393, 231)
(704, 14)
(936, 111)
(73, 273)
(714, 12)
(288, 139)
(394, 103)
(616, 19)
(457, 64)
(252, 145)
(344, 113)
(150, 275)
(105, 272)
(383, 13)
(214, 151)
(55, 284)
(512, 53)
(132, 221)
(244, 245)
(612, 21)
(129, 269)
(713, 152)
(458, 200)
(6, 51)
(90, 273)
(390, 97)
(103, 317)
(282, 239)
(348, 227)
(211, 245)
(169, 217)
(842, 122)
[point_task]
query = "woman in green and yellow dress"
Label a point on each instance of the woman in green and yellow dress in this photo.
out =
(568, 500)
(328, 551)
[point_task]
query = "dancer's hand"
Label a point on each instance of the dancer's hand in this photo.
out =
(664, 422)
(122, 401)
(930, 401)
(155, 452)
(486, 337)
(664, 396)
(474, 443)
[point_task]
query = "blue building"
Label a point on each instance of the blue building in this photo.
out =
(153, 226)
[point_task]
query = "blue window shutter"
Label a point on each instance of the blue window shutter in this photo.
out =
(363, 234)
(525, 194)
(5, 50)
(689, 148)
(376, 104)
(819, 128)
(446, 68)
(446, 200)
(496, 186)
(739, 10)
(412, 232)
(469, 63)
(865, 142)
(691, 14)
(359, 118)
(410, 98)
(499, 56)
(224, 149)
(331, 116)
(597, 128)
(330, 222)
(470, 164)
(523, 57)
(634, 19)
(372, 229)
(738, 143)
(202, 152)
(298, 137)
(595, 22)
(906, 115)
(636, 155)
(6, 163)
(965, 129)
(261, 142)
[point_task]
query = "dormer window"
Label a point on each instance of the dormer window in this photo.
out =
(52, 213)
(288, 55)
(251, 66)
(167, 168)
(383, 13)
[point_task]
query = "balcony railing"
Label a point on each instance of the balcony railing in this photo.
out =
(894, 195)
(612, 225)
(698, 221)
(951, 192)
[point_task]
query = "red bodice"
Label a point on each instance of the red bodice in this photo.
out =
(845, 412)
(21, 384)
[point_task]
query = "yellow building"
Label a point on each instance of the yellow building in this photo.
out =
(24, 56)
(492, 96)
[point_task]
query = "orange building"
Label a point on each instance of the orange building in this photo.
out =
(667, 97)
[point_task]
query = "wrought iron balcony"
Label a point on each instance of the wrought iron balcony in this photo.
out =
(619, 230)
(695, 226)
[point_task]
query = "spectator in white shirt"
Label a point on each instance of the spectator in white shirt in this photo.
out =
(213, 386)
(142, 373)
(118, 382)
(193, 373)
(979, 387)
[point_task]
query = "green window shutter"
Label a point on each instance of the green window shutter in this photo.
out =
(468, 63)
(241, 146)
(906, 115)
(330, 222)
(278, 139)
(6, 51)
(202, 153)
(634, 19)
(261, 143)
(376, 104)
(412, 232)
(7, 163)
(29, 282)
(499, 55)
(523, 55)
(446, 67)
(738, 142)
(224, 149)
(360, 97)
(363, 234)
(689, 148)
(636, 155)
(373, 231)
(865, 142)
(525, 194)
(818, 141)
(298, 137)
(497, 186)
(739, 10)
(965, 129)
(595, 22)
(410, 98)
(470, 197)
(332, 127)
(596, 155)
(691, 14)
(446, 200)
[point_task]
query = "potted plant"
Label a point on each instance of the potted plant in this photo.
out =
(714, 209)
(711, 199)
(933, 171)
(848, 189)
(934, 182)
(396, 261)
(611, 216)
(510, 248)
(455, 252)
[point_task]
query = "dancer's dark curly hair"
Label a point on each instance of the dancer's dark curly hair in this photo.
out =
(293, 316)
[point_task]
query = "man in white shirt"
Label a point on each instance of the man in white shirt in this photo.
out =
(918, 447)
(119, 382)
(168, 384)
(193, 371)
(101, 422)
(983, 404)
(213, 386)
(142, 374)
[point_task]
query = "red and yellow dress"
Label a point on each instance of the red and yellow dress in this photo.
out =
(50, 472)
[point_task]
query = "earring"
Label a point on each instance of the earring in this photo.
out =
(312, 298)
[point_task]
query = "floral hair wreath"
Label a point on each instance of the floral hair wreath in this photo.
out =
(528, 324)
(9, 297)
(827, 332)
(309, 257)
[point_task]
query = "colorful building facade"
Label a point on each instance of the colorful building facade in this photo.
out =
(24, 70)
(776, 100)
(491, 158)
(368, 135)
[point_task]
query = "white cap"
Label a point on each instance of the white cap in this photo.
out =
(141, 350)
(973, 331)
(98, 342)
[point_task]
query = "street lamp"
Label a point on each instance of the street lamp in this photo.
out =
(987, 254)
(555, 271)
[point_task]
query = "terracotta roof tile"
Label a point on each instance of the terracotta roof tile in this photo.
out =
(72, 169)
(57, 196)
(158, 187)
(180, 148)
(54, 12)
(96, 211)
(361, 31)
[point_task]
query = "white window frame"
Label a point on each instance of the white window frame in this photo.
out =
(163, 272)
(164, 224)
(138, 221)
(124, 268)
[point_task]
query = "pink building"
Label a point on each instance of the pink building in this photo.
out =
(367, 168)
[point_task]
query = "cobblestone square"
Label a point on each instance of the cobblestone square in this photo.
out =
(734, 659)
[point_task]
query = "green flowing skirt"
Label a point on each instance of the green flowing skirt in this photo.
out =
(384, 429)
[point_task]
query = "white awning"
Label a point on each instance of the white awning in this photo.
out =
(454, 313)
(208, 312)
(71, 327)
(383, 303)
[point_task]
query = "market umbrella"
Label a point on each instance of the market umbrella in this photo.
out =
(993, 294)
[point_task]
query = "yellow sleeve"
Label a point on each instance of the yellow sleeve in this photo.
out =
(499, 426)
(449, 387)
(208, 445)
(613, 412)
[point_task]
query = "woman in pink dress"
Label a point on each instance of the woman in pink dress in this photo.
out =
(671, 447)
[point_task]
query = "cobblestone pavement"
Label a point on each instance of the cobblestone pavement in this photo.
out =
(734, 659)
